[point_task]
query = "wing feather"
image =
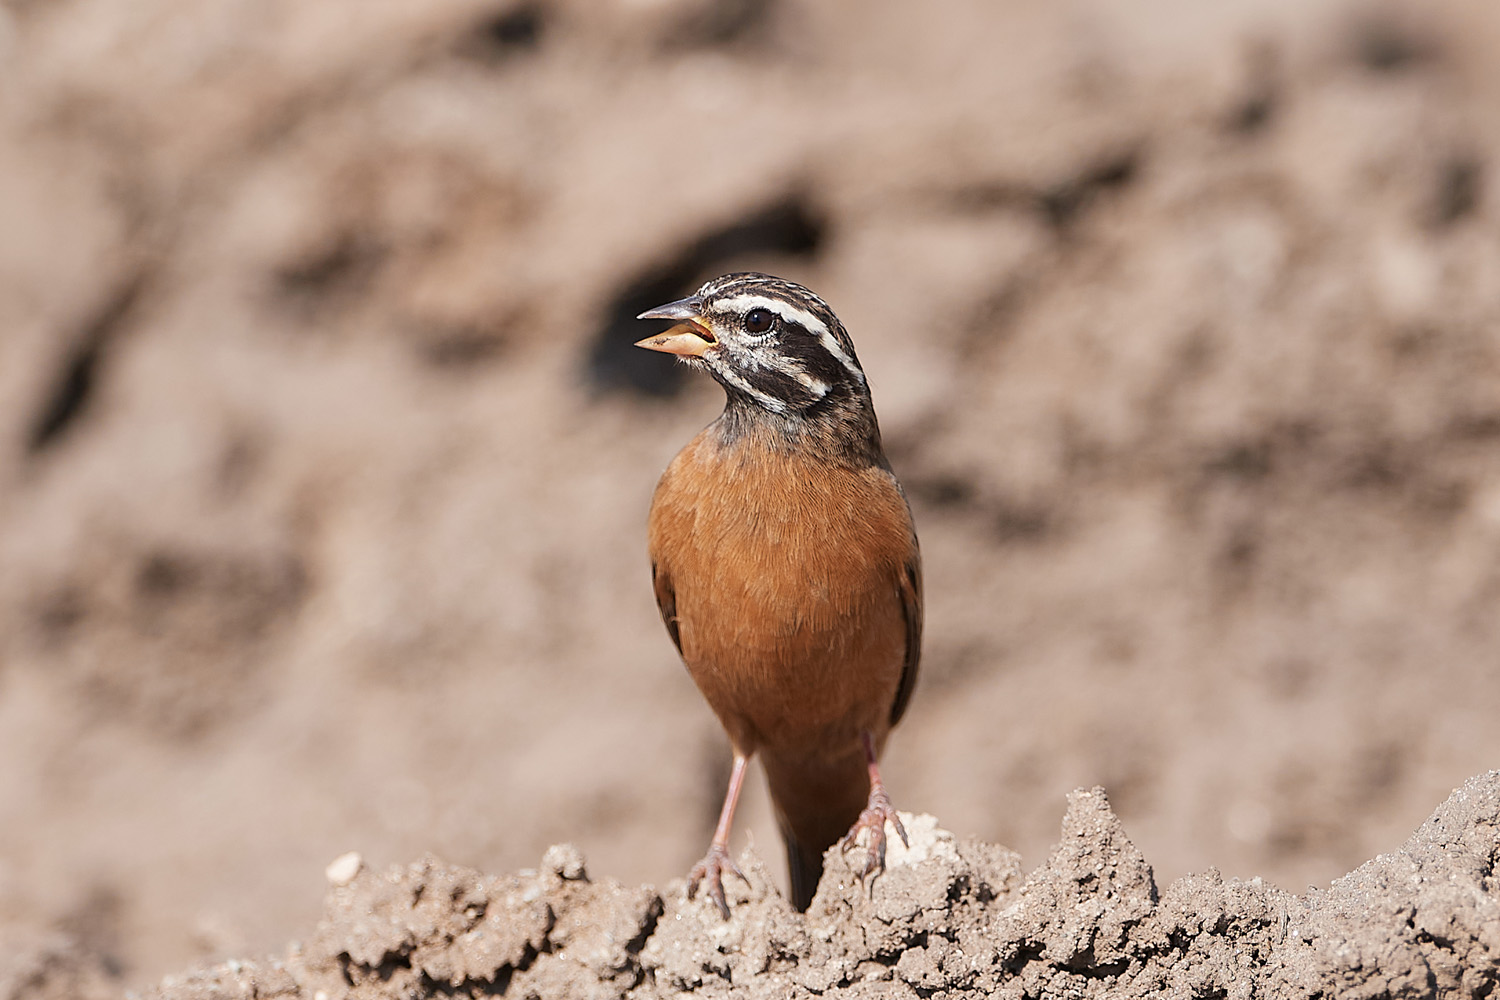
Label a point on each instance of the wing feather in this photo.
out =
(666, 602)
(911, 607)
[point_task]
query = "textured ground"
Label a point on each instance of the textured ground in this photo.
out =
(951, 918)
(324, 467)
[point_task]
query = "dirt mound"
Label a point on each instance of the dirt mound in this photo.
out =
(948, 918)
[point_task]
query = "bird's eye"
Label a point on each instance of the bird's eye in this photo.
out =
(758, 320)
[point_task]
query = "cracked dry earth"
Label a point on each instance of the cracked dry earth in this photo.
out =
(949, 918)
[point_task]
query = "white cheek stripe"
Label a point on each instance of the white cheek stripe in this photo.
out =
(801, 317)
(754, 356)
(816, 386)
(767, 400)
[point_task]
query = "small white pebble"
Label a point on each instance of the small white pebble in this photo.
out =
(564, 860)
(321, 995)
(342, 869)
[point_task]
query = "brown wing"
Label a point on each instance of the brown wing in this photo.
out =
(666, 603)
(911, 607)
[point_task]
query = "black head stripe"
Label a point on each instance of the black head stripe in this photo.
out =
(808, 352)
(785, 386)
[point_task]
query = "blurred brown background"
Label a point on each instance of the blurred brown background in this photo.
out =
(324, 462)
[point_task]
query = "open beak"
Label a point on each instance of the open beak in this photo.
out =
(689, 338)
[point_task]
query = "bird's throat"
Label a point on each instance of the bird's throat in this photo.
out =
(845, 434)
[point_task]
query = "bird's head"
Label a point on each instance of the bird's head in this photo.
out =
(770, 343)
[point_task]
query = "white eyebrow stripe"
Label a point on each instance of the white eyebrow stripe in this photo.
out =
(749, 300)
(789, 313)
(828, 341)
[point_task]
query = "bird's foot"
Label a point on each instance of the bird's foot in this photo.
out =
(711, 870)
(874, 819)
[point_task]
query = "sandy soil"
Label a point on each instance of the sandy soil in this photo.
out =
(324, 464)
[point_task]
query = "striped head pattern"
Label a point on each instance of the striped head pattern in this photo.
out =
(768, 342)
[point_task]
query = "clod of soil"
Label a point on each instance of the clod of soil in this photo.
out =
(949, 917)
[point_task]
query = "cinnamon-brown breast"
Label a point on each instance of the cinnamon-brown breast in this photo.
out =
(786, 584)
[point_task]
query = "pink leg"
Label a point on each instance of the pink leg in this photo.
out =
(876, 813)
(714, 864)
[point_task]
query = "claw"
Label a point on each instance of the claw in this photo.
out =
(895, 819)
(711, 870)
(876, 814)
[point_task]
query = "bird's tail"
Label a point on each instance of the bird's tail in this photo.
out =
(804, 865)
(816, 804)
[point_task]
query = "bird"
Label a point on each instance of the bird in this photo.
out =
(785, 565)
